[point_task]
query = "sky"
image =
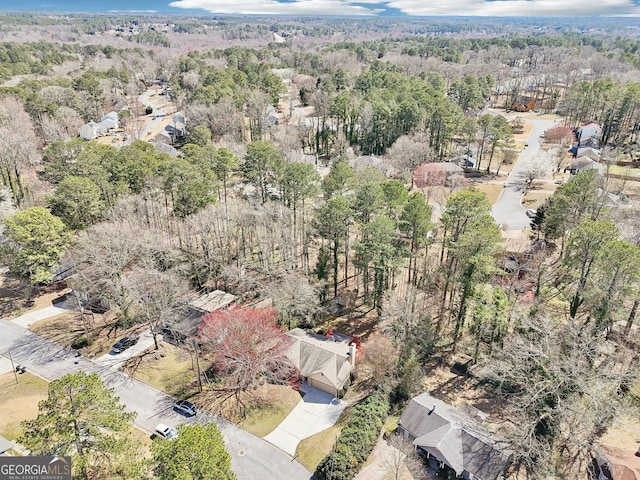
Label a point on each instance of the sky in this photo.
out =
(506, 8)
(510, 8)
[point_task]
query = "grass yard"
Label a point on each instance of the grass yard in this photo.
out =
(313, 449)
(492, 190)
(620, 170)
(19, 401)
(143, 439)
(169, 369)
(274, 403)
(533, 199)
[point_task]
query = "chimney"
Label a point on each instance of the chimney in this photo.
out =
(352, 354)
(432, 410)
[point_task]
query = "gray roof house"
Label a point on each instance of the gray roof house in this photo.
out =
(212, 301)
(323, 363)
(588, 152)
(452, 439)
(92, 130)
(589, 134)
(583, 163)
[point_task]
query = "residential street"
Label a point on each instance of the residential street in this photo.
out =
(252, 457)
(507, 211)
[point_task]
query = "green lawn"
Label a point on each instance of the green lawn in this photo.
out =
(313, 449)
(619, 170)
(274, 403)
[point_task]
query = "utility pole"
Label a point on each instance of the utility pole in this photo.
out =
(195, 349)
(13, 367)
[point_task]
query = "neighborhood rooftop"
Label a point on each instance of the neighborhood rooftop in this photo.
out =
(210, 302)
(453, 438)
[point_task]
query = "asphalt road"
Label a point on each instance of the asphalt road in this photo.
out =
(252, 458)
(507, 211)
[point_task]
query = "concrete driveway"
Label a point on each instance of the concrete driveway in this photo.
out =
(115, 360)
(30, 318)
(315, 412)
(251, 457)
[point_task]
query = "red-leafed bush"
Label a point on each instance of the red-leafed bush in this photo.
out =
(429, 175)
(246, 346)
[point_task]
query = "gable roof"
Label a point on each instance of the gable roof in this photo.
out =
(583, 163)
(212, 301)
(588, 152)
(453, 438)
(448, 167)
(314, 354)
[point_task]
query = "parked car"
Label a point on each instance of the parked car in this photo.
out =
(466, 163)
(164, 431)
(531, 213)
(185, 407)
(124, 343)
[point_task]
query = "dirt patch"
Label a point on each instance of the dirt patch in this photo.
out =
(18, 297)
(533, 199)
(492, 190)
(169, 369)
(99, 329)
(271, 405)
(457, 390)
(19, 402)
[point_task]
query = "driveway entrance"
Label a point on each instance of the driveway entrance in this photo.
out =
(316, 411)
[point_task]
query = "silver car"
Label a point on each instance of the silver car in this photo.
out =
(185, 407)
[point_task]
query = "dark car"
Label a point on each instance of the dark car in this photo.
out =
(125, 343)
(185, 407)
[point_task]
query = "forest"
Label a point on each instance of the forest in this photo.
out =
(307, 164)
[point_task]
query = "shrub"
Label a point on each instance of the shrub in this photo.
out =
(80, 342)
(356, 441)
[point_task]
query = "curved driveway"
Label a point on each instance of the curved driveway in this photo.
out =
(252, 458)
(507, 211)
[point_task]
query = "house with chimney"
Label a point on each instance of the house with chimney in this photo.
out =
(452, 440)
(324, 362)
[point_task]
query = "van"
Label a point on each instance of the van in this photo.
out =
(164, 431)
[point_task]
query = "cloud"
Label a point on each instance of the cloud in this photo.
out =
(274, 7)
(518, 8)
(502, 8)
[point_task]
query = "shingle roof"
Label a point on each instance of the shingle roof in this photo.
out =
(453, 438)
(314, 354)
(210, 302)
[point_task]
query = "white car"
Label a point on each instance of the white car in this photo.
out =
(164, 431)
(531, 213)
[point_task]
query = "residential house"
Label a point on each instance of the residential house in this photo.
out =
(191, 319)
(523, 104)
(92, 130)
(212, 301)
(582, 164)
(370, 161)
(590, 152)
(323, 362)
(452, 440)
(589, 134)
